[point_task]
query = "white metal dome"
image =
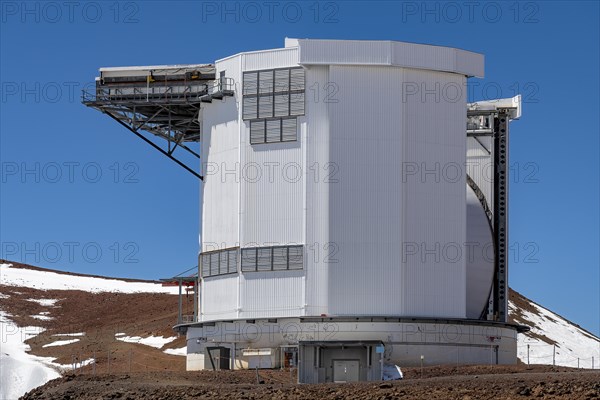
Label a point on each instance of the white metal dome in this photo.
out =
(479, 257)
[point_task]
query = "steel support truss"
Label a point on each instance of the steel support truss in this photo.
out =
(171, 113)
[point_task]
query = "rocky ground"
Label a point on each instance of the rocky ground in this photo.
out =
(450, 382)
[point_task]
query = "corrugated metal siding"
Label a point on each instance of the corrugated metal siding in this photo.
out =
(316, 130)
(434, 214)
(399, 54)
(220, 153)
(374, 132)
(365, 213)
(417, 56)
(473, 63)
(271, 294)
(271, 175)
(344, 52)
(272, 204)
(219, 298)
(268, 59)
(272, 190)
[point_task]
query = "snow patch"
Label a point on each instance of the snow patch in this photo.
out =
(182, 351)
(70, 334)
(44, 302)
(61, 343)
(152, 341)
(42, 317)
(4, 296)
(69, 367)
(45, 280)
(574, 345)
(78, 364)
(21, 371)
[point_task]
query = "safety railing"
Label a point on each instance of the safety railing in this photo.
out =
(155, 92)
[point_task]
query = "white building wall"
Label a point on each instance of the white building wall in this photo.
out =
(274, 294)
(220, 194)
(219, 298)
(375, 211)
(399, 54)
(272, 192)
(220, 155)
(272, 182)
(434, 212)
(365, 213)
(272, 207)
(320, 174)
(268, 59)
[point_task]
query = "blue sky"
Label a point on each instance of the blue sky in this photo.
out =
(80, 193)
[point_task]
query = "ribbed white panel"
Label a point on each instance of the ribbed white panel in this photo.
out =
(271, 294)
(372, 212)
(219, 297)
(318, 181)
(268, 59)
(469, 61)
(220, 158)
(434, 212)
(344, 52)
(401, 54)
(272, 193)
(480, 257)
(417, 56)
(365, 208)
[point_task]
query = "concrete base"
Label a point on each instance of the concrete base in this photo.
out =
(406, 341)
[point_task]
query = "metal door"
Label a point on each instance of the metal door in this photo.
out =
(345, 370)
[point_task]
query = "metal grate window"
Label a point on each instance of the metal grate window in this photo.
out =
(257, 131)
(288, 130)
(232, 260)
(219, 262)
(205, 265)
(263, 259)
(271, 97)
(273, 130)
(214, 264)
(295, 258)
(277, 258)
(249, 260)
(280, 258)
(250, 107)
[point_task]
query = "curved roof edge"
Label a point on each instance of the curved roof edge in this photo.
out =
(386, 52)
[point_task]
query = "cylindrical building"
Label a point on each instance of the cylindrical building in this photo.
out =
(335, 190)
(353, 205)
